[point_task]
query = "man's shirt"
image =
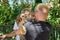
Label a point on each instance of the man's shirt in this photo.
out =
(37, 30)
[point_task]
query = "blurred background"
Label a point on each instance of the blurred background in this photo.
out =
(9, 9)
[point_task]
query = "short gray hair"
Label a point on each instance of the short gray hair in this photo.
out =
(40, 5)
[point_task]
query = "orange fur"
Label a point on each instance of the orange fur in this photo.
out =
(22, 18)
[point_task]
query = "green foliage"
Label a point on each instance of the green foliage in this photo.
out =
(38, 1)
(8, 16)
(54, 16)
(54, 19)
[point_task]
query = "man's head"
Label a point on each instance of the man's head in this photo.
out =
(41, 11)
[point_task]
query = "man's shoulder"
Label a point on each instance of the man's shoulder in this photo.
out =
(27, 23)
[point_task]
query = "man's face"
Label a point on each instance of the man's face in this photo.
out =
(42, 12)
(36, 14)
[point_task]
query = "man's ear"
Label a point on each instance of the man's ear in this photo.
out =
(50, 5)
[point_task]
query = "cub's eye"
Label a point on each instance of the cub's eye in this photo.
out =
(22, 16)
(25, 16)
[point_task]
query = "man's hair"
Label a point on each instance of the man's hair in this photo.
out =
(39, 6)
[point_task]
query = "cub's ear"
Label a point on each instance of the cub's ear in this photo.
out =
(50, 5)
(20, 19)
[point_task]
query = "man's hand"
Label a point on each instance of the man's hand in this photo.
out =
(2, 37)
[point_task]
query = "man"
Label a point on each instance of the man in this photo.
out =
(38, 29)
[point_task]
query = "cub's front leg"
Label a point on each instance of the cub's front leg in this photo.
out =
(22, 29)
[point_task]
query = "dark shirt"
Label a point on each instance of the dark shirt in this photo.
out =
(37, 30)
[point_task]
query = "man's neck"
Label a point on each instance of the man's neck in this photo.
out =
(41, 20)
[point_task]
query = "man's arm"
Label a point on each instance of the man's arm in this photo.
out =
(11, 34)
(14, 33)
(20, 31)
